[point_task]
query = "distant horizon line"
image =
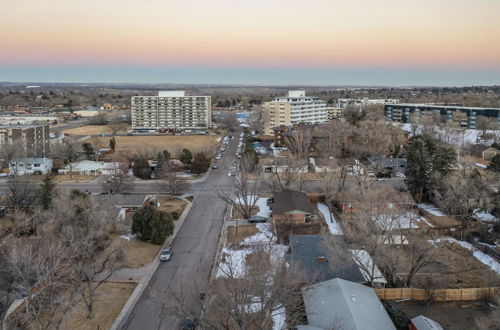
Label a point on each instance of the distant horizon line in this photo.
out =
(33, 83)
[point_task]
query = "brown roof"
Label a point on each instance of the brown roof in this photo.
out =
(289, 200)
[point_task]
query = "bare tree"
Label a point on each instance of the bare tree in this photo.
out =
(289, 171)
(20, 194)
(117, 179)
(169, 179)
(244, 196)
(299, 141)
(10, 152)
(266, 291)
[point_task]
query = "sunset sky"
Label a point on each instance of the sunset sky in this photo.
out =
(391, 42)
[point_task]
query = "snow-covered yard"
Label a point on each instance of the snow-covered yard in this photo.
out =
(431, 209)
(484, 216)
(458, 137)
(235, 259)
(482, 257)
(260, 202)
(332, 223)
(407, 220)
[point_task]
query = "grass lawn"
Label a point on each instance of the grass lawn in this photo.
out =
(137, 253)
(60, 178)
(109, 301)
(171, 204)
(244, 231)
(236, 214)
(151, 145)
(93, 130)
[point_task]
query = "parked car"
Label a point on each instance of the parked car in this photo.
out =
(215, 166)
(188, 323)
(256, 219)
(218, 156)
(166, 254)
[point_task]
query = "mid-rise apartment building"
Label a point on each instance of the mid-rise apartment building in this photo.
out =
(295, 108)
(466, 117)
(334, 113)
(171, 110)
(33, 140)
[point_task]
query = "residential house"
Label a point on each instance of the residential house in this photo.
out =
(289, 206)
(388, 165)
(486, 153)
(286, 165)
(24, 166)
(341, 304)
(321, 258)
(324, 165)
(90, 167)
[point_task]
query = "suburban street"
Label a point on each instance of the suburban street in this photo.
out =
(194, 250)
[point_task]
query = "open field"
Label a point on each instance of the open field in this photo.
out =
(151, 145)
(109, 301)
(94, 130)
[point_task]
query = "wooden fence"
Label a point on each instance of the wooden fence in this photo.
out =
(436, 295)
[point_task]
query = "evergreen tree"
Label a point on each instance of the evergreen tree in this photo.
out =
(495, 164)
(419, 168)
(152, 225)
(200, 163)
(88, 150)
(186, 156)
(141, 168)
(46, 192)
(160, 162)
(112, 143)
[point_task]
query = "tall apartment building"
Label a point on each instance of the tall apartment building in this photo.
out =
(295, 108)
(171, 110)
(465, 116)
(33, 140)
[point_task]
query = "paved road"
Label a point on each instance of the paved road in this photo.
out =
(194, 252)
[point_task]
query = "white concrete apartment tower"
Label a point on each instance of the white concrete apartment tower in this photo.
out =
(171, 110)
(295, 108)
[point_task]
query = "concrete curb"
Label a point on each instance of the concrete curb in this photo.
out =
(122, 318)
(221, 243)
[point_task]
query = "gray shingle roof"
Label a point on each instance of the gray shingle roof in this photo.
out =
(289, 200)
(346, 305)
(338, 260)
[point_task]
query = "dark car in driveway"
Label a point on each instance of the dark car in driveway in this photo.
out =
(257, 219)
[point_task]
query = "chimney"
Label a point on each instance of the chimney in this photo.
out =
(321, 259)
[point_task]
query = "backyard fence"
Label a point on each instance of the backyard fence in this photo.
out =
(436, 295)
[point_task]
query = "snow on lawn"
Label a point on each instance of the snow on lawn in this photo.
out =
(480, 165)
(407, 220)
(279, 318)
(234, 265)
(330, 220)
(484, 216)
(460, 137)
(431, 209)
(260, 202)
(482, 257)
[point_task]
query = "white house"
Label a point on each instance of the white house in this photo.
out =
(90, 167)
(24, 166)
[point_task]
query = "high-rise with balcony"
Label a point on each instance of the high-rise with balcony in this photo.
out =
(295, 108)
(171, 110)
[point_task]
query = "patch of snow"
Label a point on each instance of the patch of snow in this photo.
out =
(480, 165)
(234, 265)
(457, 137)
(484, 216)
(482, 257)
(366, 266)
(128, 237)
(279, 318)
(407, 220)
(264, 210)
(333, 226)
(431, 209)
